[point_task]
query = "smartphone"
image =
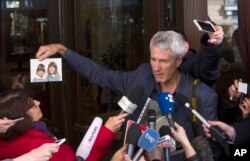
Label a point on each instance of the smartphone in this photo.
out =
(60, 141)
(203, 26)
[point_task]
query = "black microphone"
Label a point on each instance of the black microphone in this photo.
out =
(163, 131)
(215, 131)
(167, 107)
(151, 119)
(133, 135)
(129, 104)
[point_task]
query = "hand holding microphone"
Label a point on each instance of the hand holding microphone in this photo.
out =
(180, 135)
(215, 131)
(114, 123)
(229, 130)
(129, 104)
(166, 142)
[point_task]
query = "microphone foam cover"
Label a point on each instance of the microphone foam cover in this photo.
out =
(180, 98)
(166, 102)
(134, 133)
(89, 138)
(164, 130)
(148, 140)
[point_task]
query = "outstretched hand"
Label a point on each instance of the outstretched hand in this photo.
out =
(216, 38)
(49, 50)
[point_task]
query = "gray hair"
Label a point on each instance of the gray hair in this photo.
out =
(169, 40)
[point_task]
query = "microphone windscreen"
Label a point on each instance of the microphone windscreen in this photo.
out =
(202, 147)
(164, 130)
(151, 115)
(148, 140)
(166, 102)
(136, 94)
(134, 133)
(180, 98)
(166, 141)
(89, 138)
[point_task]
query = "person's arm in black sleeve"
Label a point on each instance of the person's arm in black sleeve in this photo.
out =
(207, 65)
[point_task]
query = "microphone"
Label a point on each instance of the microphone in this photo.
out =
(166, 104)
(147, 142)
(88, 140)
(166, 142)
(215, 131)
(151, 118)
(143, 110)
(182, 100)
(166, 139)
(133, 135)
(128, 103)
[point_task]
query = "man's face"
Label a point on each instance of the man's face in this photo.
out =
(163, 64)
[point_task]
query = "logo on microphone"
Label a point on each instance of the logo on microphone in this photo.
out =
(93, 133)
(166, 102)
(148, 140)
(169, 97)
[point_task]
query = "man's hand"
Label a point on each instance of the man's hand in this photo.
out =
(49, 50)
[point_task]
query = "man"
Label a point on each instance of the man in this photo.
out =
(204, 65)
(166, 52)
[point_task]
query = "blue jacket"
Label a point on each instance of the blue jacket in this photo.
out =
(125, 82)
